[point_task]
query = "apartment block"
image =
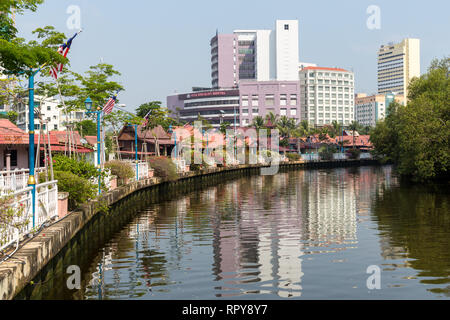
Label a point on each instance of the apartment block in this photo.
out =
(326, 95)
(261, 55)
(398, 63)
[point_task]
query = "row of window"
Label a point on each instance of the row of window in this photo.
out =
(327, 74)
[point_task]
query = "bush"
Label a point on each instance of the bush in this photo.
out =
(164, 168)
(293, 156)
(354, 154)
(80, 168)
(80, 189)
(120, 169)
(326, 153)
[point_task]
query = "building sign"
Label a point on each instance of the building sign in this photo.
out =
(209, 94)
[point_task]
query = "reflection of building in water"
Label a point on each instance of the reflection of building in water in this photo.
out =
(329, 208)
(261, 245)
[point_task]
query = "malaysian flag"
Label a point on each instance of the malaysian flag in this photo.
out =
(109, 105)
(146, 119)
(62, 50)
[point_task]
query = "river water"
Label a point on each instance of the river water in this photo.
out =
(306, 234)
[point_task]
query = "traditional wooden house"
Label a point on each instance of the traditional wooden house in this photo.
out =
(154, 142)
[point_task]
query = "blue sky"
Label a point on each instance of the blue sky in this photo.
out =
(163, 46)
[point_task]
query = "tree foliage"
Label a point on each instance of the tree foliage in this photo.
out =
(18, 56)
(416, 136)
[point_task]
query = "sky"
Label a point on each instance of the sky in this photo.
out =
(163, 47)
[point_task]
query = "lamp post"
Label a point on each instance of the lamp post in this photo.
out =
(98, 112)
(136, 151)
(31, 179)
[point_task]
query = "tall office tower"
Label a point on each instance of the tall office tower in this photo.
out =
(261, 55)
(326, 95)
(397, 65)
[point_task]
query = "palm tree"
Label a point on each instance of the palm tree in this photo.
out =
(272, 117)
(354, 125)
(258, 123)
(286, 126)
(336, 127)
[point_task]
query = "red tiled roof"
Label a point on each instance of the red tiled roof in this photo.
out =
(11, 134)
(92, 140)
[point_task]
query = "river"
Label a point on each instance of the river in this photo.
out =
(306, 234)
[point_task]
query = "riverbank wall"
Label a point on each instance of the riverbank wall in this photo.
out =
(34, 260)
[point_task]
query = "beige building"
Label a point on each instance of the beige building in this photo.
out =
(397, 65)
(371, 109)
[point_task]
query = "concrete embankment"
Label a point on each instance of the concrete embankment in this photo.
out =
(28, 262)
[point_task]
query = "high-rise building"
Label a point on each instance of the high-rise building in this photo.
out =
(371, 109)
(326, 95)
(261, 55)
(398, 63)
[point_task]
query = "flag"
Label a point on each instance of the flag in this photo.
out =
(109, 105)
(64, 51)
(146, 118)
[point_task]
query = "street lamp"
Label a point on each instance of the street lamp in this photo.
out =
(88, 104)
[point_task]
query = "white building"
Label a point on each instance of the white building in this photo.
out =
(326, 95)
(53, 117)
(261, 55)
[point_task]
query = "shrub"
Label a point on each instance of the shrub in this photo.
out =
(80, 189)
(120, 169)
(164, 168)
(80, 168)
(326, 152)
(293, 156)
(354, 154)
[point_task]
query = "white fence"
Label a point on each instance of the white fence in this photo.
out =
(46, 209)
(15, 180)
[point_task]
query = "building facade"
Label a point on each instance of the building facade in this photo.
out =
(261, 55)
(327, 95)
(371, 109)
(397, 64)
(259, 98)
(215, 105)
(52, 116)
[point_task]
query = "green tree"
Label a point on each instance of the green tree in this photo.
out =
(258, 123)
(86, 128)
(416, 136)
(16, 55)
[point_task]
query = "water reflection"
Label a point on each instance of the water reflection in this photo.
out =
(278, 237)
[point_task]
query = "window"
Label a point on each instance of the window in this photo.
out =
(270, 100)
(13, 158)
(283, 111)
(245, 112)
(55, 127)
(293, 99)
(293, 112)
(283, 99)
(49, 108)
(286, 27)
(255, 101)
(255, 111)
